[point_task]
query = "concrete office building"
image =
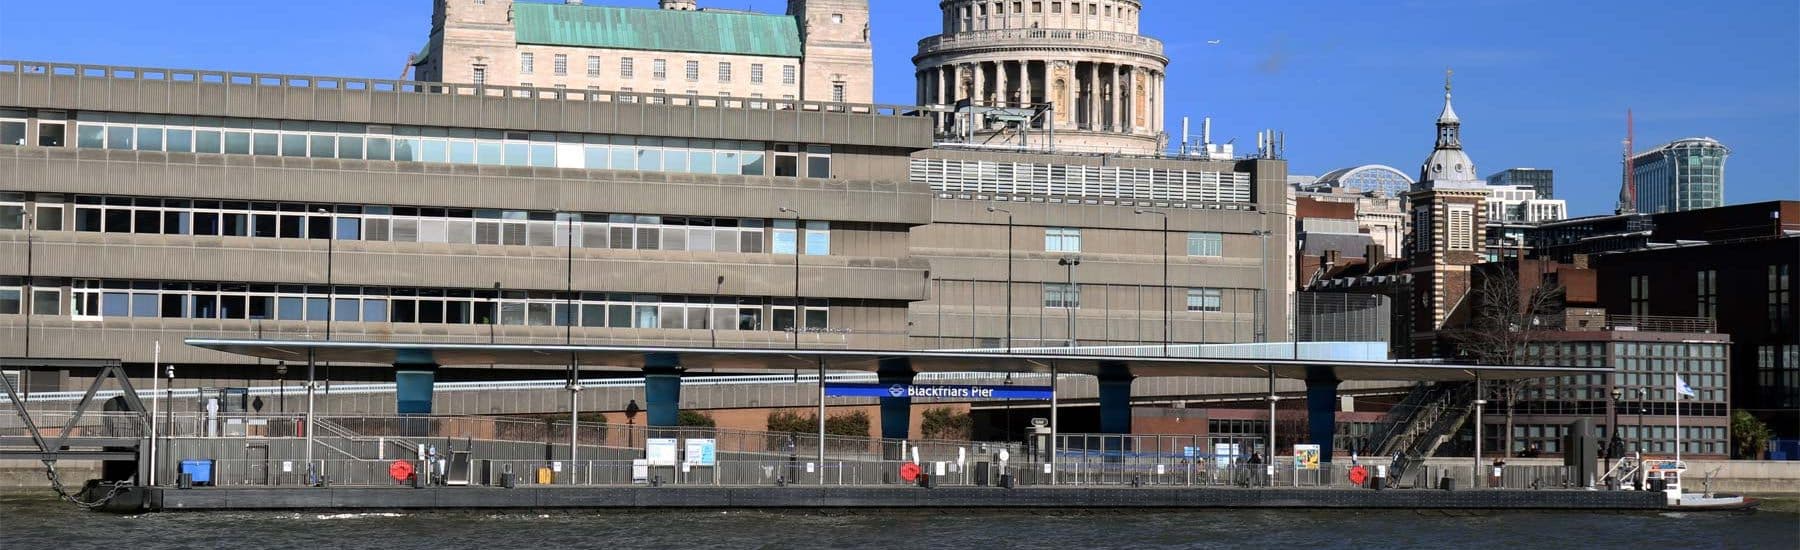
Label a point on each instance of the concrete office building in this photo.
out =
(1085, 61)
(160, 204)
(144, 206)
(818, 50)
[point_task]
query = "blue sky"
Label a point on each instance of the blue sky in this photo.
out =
(1541, 83)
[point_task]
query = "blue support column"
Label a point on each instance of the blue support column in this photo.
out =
(1321, 410)
(1115, 398)
(415, 376)
(896, 412)
(662, 390)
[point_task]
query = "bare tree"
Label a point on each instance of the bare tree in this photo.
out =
(1508, 316)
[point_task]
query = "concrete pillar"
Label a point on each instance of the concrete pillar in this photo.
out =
(896, 412)
(956, 83)
(1095, 98)
(1115, 398)
(1025, 82)
(981, 83)
(1000, 83)
(1114, 73)
(662, 390)
(1321, 410)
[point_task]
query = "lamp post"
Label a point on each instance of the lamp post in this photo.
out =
(1612, 420)
(495, 313)
(799, 308)
(1262, 294)
(712, 320)
(29, 289)
(1165, 274)
(1069, 263)
(1009, 280)
(330, 287)
(569, 340)
(1643, 398)
(281, 387)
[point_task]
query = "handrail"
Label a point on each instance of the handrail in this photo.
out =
(517, 385)
(315, 82)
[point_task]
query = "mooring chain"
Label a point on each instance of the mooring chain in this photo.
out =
(57, 485)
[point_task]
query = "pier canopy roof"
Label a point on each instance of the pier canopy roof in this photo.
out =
(603, 357)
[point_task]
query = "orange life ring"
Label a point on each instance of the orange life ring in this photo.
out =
(1358, 474)
(909, 471)
(400, 470)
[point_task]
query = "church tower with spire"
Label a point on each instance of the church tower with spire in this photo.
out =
(1448, 219)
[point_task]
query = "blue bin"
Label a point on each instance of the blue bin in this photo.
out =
(200, 471)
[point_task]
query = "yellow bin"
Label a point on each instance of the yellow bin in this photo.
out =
(545, 477)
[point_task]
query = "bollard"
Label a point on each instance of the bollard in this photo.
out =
(1006, 481)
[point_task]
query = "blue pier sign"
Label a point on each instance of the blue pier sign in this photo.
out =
(943, 392)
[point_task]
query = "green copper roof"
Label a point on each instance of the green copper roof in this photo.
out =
(647, 29)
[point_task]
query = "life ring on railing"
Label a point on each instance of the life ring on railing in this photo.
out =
(1358, 475)
(909, 472)
(400, 470)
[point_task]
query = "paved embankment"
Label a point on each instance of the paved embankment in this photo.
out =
(352, 498)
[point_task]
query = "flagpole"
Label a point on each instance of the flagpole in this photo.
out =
(1678, 387)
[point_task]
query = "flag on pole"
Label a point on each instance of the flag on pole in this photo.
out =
(1682, 387)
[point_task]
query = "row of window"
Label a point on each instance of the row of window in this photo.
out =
(1199, 243)
(1018, 7)
(142, 215)
(232, 136)
(659, 69)
(1067, 296)
(981, 177)
(91, 299)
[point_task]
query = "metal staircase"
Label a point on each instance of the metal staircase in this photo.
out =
(1420, 423)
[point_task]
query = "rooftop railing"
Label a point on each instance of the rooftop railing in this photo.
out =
(287, 81)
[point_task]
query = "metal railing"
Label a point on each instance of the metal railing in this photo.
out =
(314, 82)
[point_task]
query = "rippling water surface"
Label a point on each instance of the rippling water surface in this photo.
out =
(34, 521)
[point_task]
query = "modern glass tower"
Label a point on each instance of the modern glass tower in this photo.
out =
(1685, 174)
(1540, 179)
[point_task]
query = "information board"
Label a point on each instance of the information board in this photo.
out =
(702, 452)
(660, 451)
(1306, 457)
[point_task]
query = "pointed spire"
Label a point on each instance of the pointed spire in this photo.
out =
(1449, 114)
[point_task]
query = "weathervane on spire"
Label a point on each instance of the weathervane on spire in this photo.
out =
(1447, 73)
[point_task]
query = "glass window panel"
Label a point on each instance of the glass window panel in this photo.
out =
(181, 141)
(117, 137)
(317, 309)
(815, 318)
(350, 147)
(293, 145)
(462, 151)
(618, 316)
(90, 136)
(538, 314)
(380, 149)
(752, 163)
(434, 150)
(149, 138)
(264, 144)
(290, 308)
(324, 146)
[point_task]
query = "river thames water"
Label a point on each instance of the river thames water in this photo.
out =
(34, 521)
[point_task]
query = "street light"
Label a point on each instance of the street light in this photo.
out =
(712, 320)
(494, 314)
(28, 290)
(330, 288)
(1009, 279)
(799, 308)
(1069, 263)
(1165, 274)
(1262, 294)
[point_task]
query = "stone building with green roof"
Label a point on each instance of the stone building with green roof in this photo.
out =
(818, 51)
